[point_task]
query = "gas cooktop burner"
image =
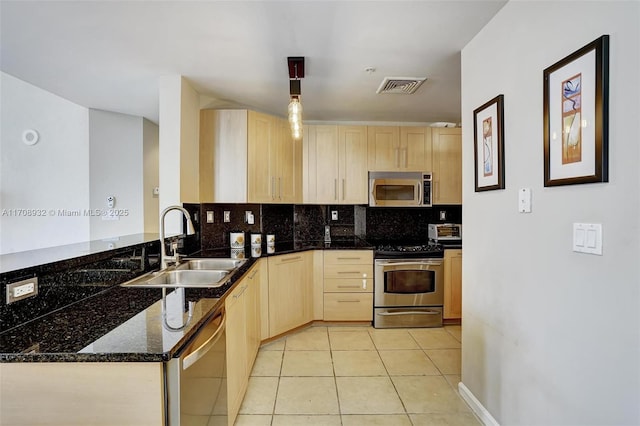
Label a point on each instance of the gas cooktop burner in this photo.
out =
(431, 249)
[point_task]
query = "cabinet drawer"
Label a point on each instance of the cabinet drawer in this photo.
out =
(348, 271)
(348, 306)
(348, 257)
(348, 285)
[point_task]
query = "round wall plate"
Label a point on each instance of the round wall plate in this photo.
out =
(30, 137)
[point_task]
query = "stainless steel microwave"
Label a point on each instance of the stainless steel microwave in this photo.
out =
(400, 189)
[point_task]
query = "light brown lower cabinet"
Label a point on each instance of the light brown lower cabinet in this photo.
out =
(242, 308)
(348, 285)
(452, 284)
(81, 393)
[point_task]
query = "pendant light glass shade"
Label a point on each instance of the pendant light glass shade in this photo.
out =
(295, 118)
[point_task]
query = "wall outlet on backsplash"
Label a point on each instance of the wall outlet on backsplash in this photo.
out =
(248, 217)
(334, 215)
(209, 216)
(227, 216)
(443, 215)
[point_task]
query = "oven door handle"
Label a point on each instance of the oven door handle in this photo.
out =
(386, 314)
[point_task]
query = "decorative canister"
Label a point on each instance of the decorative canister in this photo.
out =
(236, 240)
(271, 248)
(256, 240)
(271, 239)
(256, 251)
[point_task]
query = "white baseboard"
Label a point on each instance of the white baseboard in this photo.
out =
(477, 407)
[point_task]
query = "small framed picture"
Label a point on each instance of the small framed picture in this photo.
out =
(488, 148)
(576, 116)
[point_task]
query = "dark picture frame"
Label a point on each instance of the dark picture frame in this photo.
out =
(488, 145)
(576, 116)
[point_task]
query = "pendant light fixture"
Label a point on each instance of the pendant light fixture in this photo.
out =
(296, 72)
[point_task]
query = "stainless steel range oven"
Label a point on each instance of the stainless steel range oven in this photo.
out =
(408, 291)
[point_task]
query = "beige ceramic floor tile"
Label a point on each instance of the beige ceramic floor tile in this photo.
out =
(408, 363)
(251, 420)
(428, 394)
(307, 363)
(448, 361)
(368, 395)
(276, 345)
(376, 420)
(350, 341)
(341, 328)
(307, 395)
(268, 363)
(445, 419)
(455, 331)
(298, 420)
(308, 340)
(393, 339)
(358, 363)
(260, 396)
(453, 380)
(434, 338)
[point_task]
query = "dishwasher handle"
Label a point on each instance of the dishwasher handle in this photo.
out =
(202, 350)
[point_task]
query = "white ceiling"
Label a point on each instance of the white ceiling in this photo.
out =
(109, 54)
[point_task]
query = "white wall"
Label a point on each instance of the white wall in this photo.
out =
(552, 337)
(179, 162)
(116, 159)
(49, 176)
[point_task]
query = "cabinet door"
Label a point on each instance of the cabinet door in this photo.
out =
(285, 158)
(452, 284)
(290, 292)
(252, 306)
(383, 148)
(447, 165)
(326, 159)
(353, 181)
(415, 149)
(236, 340)
(261, 180)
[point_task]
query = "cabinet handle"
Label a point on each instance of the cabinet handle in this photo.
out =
(343, 190)
(290, 259)
(335, 189)
(348, 258)
(201, 351)
(280, 191)
(273, 188)
(397, 150)
(349, 272)
(253, 275)
(436, 190)
(235, 296)
(406, 159)
(364, 284)
(349, 286)
(348, 301)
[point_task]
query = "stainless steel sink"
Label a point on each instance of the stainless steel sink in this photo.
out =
(212, 263)
(181, 278)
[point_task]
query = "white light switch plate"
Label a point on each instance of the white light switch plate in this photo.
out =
(524, 200)
(587, 238)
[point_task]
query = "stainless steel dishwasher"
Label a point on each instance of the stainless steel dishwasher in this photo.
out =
(197, 377)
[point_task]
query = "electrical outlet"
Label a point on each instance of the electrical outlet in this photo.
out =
(227, 216)
(443, 215)
(22, 289)
(334, 214)
(209, 216)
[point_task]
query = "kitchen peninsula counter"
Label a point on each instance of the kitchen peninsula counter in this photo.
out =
(124, 324)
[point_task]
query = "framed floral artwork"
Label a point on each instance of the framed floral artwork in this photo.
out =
(488, 148)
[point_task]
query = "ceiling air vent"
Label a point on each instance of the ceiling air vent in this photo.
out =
(400, 85)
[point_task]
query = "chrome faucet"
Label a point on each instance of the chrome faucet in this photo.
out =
(175, 258)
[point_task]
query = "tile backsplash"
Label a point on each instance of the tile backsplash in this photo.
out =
(306, 222)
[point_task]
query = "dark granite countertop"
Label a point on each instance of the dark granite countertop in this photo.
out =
(124, 324)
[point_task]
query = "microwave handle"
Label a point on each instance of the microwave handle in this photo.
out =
(419, 198)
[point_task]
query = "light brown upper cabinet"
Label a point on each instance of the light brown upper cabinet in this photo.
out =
(335, 164)
(248, 157)
(447, 165)
(392, 148)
